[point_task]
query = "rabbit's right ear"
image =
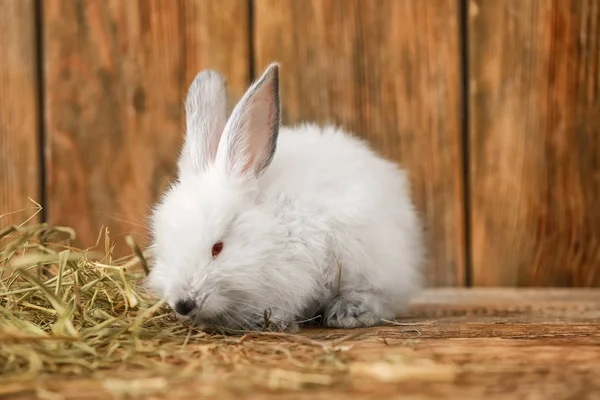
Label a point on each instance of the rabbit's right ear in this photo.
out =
(206, 113)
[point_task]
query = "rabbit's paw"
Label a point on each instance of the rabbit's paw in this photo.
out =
(345, 312)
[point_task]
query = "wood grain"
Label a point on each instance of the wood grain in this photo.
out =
(19, 116)
(390, 72)
(459, 344)
(535, 142)
(117, 76)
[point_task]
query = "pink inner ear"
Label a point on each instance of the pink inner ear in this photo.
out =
(247, 146)
(259, 129)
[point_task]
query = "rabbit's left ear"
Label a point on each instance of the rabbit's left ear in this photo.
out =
(206, 113)
(250, 135)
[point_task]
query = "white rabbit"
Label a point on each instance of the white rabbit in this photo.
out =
(290, 223)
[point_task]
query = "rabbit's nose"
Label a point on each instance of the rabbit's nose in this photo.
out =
(184, 307)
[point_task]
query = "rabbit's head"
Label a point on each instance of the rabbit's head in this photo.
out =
(212, 236)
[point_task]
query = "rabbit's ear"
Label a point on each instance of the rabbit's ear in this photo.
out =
(250, 136)
(206, 114)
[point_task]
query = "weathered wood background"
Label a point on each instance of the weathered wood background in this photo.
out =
(493, 106)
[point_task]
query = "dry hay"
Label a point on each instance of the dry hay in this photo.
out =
(80, 313)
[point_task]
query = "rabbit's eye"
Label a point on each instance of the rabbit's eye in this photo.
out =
(217, 248)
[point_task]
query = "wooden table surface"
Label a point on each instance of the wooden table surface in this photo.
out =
(458, 344)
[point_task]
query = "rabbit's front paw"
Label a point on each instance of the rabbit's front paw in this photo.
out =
(277, 321)
(343, 312)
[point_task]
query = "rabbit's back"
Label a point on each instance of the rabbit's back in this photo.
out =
(332, 170)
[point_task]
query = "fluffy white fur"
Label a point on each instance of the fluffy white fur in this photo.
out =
(324, 204)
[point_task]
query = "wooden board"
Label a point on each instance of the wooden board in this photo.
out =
(535, 142)
(458, 344)
(117, 73)
(390, 72)
(19, 114)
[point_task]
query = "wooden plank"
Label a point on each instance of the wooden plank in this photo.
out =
(500, 305)
(551, 350)
(19, 116)
(389, 71)
(535, 142)
(117, 76)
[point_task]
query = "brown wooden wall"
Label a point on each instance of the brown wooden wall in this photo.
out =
(493, 106)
